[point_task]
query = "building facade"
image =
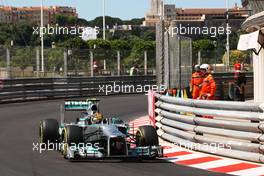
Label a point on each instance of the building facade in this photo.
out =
(194, 16)
(254, 6)
(154, 14)
(32, 15)
(256, 20)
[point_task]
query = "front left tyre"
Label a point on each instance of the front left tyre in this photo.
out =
(72, 136)
(146, 136)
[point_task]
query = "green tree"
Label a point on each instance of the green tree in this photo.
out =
(120, 45)
(134, 21)
(235, 55)
(207, 49)
(149, 35)
(22, 59)
(5, 33)
(72, 20)
(99, 44)
(203, 44)
(61, 20)
(110, 21)
(75, 43)
(83, 22)
(55, 59)
(136, 55)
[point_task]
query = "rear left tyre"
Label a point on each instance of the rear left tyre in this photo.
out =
(49, 131)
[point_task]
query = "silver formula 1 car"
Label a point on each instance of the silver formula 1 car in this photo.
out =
(93, 136)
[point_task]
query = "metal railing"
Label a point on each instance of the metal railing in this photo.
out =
(231, 129)
(51, 88)
(41, 88)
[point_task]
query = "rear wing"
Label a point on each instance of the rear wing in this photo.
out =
(78, 105)
(93, 101)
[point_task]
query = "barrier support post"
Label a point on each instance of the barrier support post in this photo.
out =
(151, 107)
(92, 63)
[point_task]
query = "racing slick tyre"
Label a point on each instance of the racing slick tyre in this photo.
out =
(146, 136)
(72, 135)
(49, 131)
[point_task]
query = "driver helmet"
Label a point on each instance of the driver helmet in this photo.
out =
(94, 108)
(96, 118)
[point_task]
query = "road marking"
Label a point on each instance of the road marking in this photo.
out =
(198, 160)
(188, 157)
(219, 163)
(174, 154)
(234, 167)
(249, 172)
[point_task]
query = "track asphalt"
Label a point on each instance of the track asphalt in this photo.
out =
(19, 130)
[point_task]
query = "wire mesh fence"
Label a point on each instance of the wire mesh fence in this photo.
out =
(180, 61)
(160, 53)
(2, 58)
(174, 58)
(58, 62)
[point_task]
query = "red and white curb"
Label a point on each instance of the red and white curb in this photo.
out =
(182, 156)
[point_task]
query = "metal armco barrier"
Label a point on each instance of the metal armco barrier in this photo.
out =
(233, 129)
(43, 88)
(51, 88)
